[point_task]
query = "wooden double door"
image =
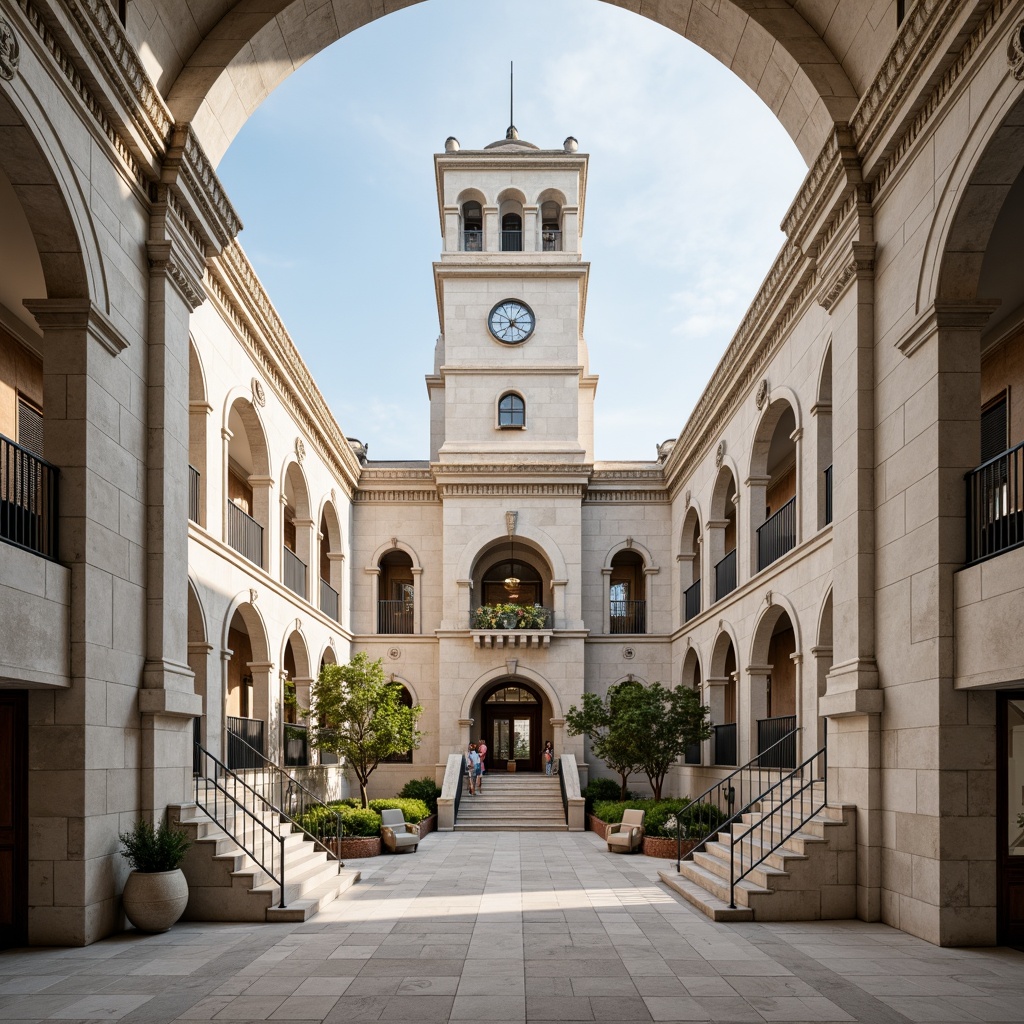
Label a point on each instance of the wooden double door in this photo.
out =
(512, 728)
(13, 818)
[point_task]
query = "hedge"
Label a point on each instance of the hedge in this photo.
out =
(425, 789)
(698, 820)
(414, 810)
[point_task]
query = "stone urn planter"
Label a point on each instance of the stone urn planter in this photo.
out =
(156, 892)
(154, 900)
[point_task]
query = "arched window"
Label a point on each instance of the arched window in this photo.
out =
(472, 226)
(511, 411)
(551, 226)
(511, 233)
(628, 605)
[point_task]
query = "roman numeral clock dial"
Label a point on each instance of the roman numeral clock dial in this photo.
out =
(511, 321)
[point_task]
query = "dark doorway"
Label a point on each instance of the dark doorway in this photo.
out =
(1010, 817)
(512, 726)
(13, 818)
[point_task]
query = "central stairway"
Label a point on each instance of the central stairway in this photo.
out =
(512, 802)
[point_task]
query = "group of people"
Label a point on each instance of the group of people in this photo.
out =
(476, 766)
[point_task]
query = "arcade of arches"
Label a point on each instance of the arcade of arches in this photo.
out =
(834, 541)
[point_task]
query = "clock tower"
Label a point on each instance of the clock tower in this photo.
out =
(511, 377)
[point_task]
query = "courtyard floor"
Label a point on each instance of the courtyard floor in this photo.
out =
(513, 927)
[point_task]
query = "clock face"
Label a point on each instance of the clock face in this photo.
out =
(511, 321)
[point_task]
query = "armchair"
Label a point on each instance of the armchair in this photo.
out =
(396, 834)
(626, 836)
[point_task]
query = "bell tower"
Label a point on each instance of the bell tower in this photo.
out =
(511, 376)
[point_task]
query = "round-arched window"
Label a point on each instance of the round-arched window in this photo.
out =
(511, 411)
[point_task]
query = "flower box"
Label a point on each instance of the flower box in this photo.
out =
(665, 847)
(595, 824)
(355, 847)
(428, 825)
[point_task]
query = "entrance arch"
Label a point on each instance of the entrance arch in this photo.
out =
(512, 724)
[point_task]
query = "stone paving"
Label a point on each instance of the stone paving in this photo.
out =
(513, 927)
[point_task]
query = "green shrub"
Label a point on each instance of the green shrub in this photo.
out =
(659, 815)
(701, 820)
(151, 849)
(600, 789)
(425, 789)
(360, 822)
(321, 822)
(413, 810)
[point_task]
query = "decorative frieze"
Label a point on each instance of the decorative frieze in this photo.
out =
(395, 495)
(10, 51)
(561, 490)
(626, 497)
(1015, 51)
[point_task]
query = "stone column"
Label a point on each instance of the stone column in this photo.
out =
(714, 552)
(337, 580)
(716, 703)
(757, 496)
(464, 605)
(198, 434)
(374, 611)
(531, 231)
(801, 500)
(822, 663)
(220, 749)
(822, 413)
(650, 571)
(805, 737)
(417, 599)
(264, 705)
(262, 512)
(492, 229)
(225, 448)
(559, 611)
(570, 228)
(606, 608)
(199, 652)
(305, 546)
(465, 735)
(755, 707)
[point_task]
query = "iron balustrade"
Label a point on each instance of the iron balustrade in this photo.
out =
(731, 797)
(777, 535)
(779, 736)
(792, 804)
(472, 241)
(725, 743)
(247, 747)
(511, 241)
(692, 755)
(294, 572)
(296, 745)
(28, 500)
(691, 601)
(628, 617)
(394, 616)
(995, 505)
(725, 575)
(194, 506)
(828, 495)
(232, 804)
(245, 535)
(551, 241)
(328, 600)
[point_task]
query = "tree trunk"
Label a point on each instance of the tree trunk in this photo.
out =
(622, 786)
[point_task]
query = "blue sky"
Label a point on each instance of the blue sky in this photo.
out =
(690, 175)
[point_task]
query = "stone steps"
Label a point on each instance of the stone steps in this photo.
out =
(512, 802)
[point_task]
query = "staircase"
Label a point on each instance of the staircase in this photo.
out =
(512, 802)
(809, 876)
(226, 884)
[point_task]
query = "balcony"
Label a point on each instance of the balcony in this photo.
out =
(725, 744)
(995, 506)
(28, 500)
(328, 600)
(769, 732)
(394, 616)
(245, 535)
(512, 625)
(551, 241)
(777, 535)
(294, 572)
(472, 241)
(725, 575)
(194, 505)
(511, 241)
(828, 495)
(628, 617)
(691, 601)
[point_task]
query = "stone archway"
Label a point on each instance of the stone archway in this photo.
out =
(512, 723)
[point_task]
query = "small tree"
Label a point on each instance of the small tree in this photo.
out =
(358, 715)
(608, 727)
(665, 722)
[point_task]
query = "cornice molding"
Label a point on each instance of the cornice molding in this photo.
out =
(391, 495)
(557, 490)
(860, 267)
(444, 469)
(626, 496)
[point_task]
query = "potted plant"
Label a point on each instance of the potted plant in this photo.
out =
(156, 892)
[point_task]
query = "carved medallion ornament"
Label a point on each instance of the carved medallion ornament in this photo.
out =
(762, 393)
(628, 653)
(719, 455)
(394, 653)
(300, 449)
(259, 396)
(10, 51)
(1015, 51)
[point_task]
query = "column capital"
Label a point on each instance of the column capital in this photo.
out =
(945, 315)
(58, 315)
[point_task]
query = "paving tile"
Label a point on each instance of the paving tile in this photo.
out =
(541, 1007)
(664, 1008)
(304, 1008)
(100, 1007)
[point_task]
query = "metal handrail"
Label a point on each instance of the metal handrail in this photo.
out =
(248, 814)
(759, 826)
(294, 801)
(777, 535)
(725, 791)
(691, 601)
(725, 575)
(458, 789)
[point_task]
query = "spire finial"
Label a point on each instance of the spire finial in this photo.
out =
(511, 133)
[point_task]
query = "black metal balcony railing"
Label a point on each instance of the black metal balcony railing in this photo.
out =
(777, 535)
(296, 746)
(828, 495)
(511, 241)
(28, 500)
(193, 495)
(725, 575)
(725, 743)
(995, 505)
(472, 240)
(691, 601)
(328, 600)
(294, 572)
(245, 535)
(551, 241)
(628, 617)
(692, 755)
(769, 733)
(394, 616)
(246, 743)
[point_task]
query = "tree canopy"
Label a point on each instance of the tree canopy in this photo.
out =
(358, 714)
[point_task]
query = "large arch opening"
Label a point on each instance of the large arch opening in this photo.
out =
(773, 486)
(296, 532)
(774, 689)
(723, 694)
(512, 572)
(723, 535)
(247, 690)
(512, 716)
(248, 484)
